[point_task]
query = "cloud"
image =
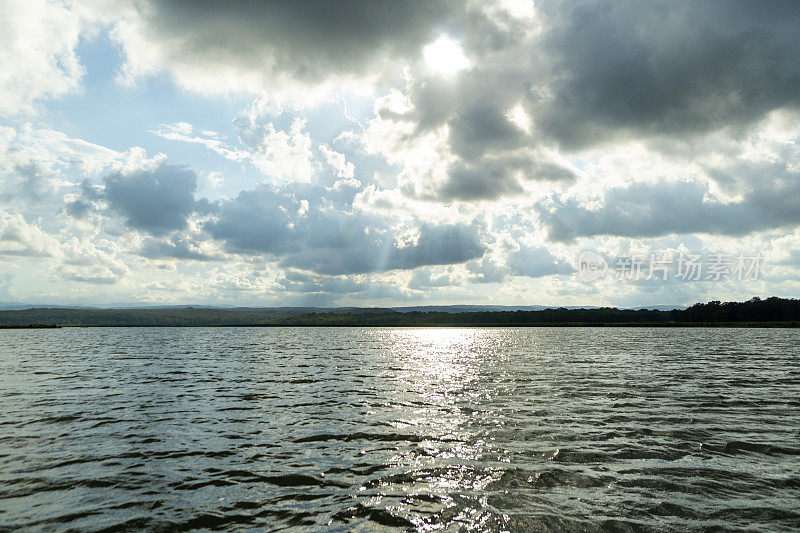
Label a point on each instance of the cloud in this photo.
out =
(589, 74)
(253, 45)
(184, 132)
(332, 241)
(157, 200)
(85, 202)
(257, 221)
(663, 208)
(37, 54)
(37, 166)
(664, 67)
(379, 251)
(181, 247)
(536, 262)
(441, 244)
(338, 162)
(285, 155)
(424, 279)
(87, 261)
(6, 287)
(20, 238)
(494, 177)
(325, 291)
(36, 180)
(297, 281)
(382, 174)
(486, 270)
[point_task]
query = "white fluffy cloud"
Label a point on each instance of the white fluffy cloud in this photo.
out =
(21, 238)
(37, 53)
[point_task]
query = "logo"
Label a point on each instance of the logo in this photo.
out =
(591, 266)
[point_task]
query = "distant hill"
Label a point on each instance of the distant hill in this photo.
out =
(659, 307)
(770, 311)
(15, 306)
(466, 308)
(484, 308)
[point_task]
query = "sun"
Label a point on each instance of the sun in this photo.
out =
(445, 56)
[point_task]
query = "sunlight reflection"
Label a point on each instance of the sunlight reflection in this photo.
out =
(442, 395)
(439, 363)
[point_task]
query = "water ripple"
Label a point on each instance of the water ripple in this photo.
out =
(573, 429)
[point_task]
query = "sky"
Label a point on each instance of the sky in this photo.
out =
(386, 153)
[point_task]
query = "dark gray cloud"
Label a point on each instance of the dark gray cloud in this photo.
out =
(494, 154)
(310, 234)
(598, 71)
(607, 68)
(493, 177)
(378, 252)
(663, 208)
(604, 70)
(483, 126)
(665, 67)
(332, 241)
(308, 40)
(156, 201)
(257, 221)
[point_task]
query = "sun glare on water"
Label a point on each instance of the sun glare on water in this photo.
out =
(445, 56)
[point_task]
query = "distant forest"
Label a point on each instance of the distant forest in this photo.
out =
(771, 311)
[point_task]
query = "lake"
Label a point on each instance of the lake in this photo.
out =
(487, 429)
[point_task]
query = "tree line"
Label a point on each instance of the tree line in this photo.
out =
(770, 311)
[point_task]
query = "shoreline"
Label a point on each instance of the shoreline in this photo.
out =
(726, 325)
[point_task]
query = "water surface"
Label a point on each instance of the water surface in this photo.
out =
(429, 429)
